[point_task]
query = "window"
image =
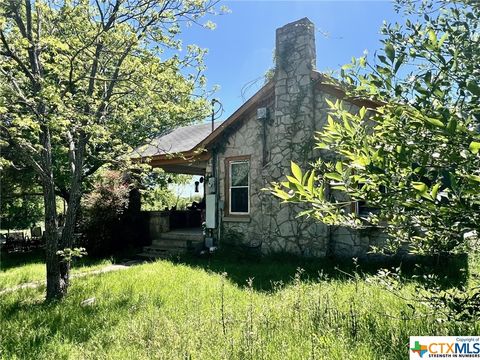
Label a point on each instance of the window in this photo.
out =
(238, 187)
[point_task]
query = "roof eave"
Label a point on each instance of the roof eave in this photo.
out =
(264, 90)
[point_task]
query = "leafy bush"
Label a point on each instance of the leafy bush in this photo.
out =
(102, 211)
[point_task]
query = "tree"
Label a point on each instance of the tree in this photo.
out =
(414, 159)
(82, 83)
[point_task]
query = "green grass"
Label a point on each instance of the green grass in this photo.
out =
(190, 309)
(19, 268)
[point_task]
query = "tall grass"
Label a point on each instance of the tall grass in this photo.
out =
(166, 310)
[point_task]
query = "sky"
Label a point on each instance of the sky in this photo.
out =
(240, 49)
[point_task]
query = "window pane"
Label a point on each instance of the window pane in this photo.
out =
(239, 174)
(239, 200)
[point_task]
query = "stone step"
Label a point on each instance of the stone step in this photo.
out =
(176, 243)
(169, 249)
(161, 249)
(146, 255)
(181, 235)
(159, 252)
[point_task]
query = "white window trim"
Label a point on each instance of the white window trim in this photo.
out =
(230, 163)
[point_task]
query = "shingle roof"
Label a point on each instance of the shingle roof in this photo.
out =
(178, 140)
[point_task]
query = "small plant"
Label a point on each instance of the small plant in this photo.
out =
(68, 254)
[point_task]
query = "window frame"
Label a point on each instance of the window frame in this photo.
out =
(228, 185)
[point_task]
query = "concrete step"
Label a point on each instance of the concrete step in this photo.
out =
(182, 235)
(146, 255)
(161, 249)
(168, 250)
(176, 243)
(158, 252)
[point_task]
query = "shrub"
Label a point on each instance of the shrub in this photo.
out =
(102, 212)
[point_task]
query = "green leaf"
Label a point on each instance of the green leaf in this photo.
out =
(363, 61)
(293, 180)
(311, 181)
(434, 122)
(330, 103)
(334, 176)
(474, 147)
(296, 171)
(432, 36)
(390, 52)
(442, 39)
(452, 125)
(322, 146)
(383, 59)
(339, 167)
(286, 184)
(362, 112)
(281, 194)
(474, 177)
(321, 193)
(434, 191)
(420, 186)
(473, 87)
(399, 63)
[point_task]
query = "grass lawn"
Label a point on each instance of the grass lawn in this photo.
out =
(19, 268)
(192, 309)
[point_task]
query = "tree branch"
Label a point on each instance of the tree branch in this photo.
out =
(9, 53)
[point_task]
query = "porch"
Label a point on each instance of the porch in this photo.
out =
(174, 231)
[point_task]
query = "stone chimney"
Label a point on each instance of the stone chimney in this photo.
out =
(294, 103)
(291, 138)
(295, 49)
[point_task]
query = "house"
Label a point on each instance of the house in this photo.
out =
(254, 147)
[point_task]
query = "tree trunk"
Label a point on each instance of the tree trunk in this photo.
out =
(72, 209)
(54, 283)
(54, 288)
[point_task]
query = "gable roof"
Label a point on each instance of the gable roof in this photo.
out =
(190, 140)
(321, 82)
(264, 92)
(179, 140)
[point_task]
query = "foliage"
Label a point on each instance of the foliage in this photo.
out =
(158, 199)
(459, 303)
(69, 254)
(413, 152)
(20, 197)
(219, 309)
(102, 211)
(157, 196)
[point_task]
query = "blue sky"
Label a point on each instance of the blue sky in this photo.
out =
(241, 47)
